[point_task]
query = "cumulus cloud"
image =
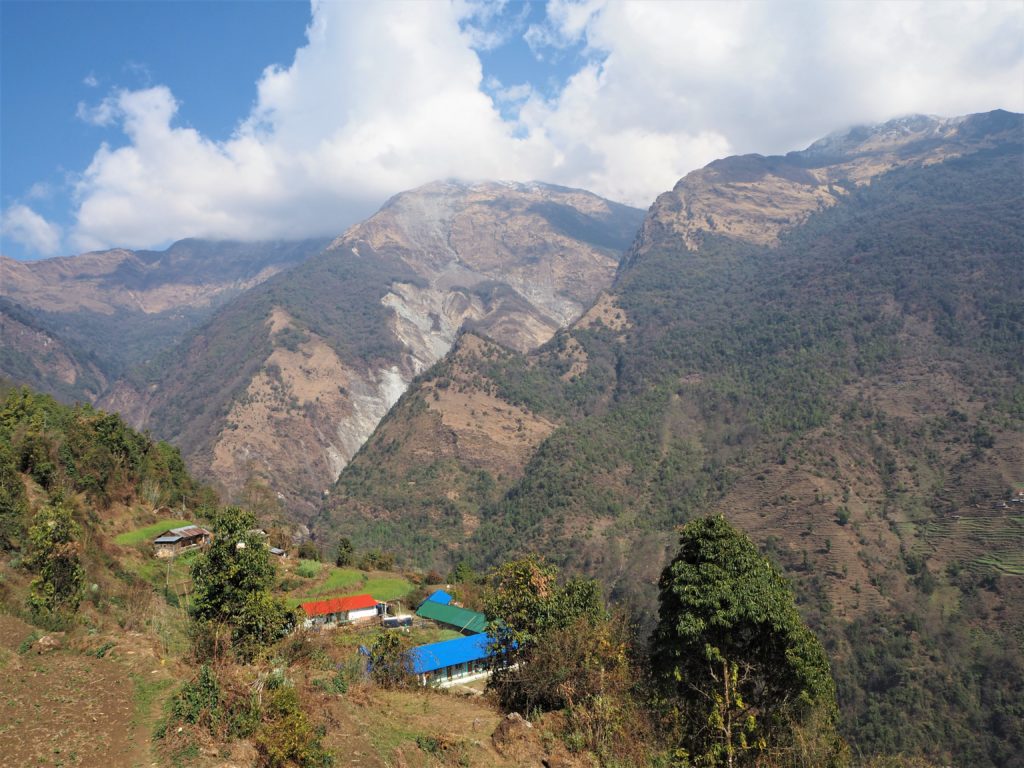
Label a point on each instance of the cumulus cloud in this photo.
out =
(387, 96)
(771, 77)
(382, 97)
(23, 225)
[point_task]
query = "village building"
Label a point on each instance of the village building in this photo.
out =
(277, 552)
(440, 596)
(176, 540)
(452, 662)
(327, 614)
(461, 619)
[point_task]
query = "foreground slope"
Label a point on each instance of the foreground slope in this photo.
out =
(827, 347)
(284, 384)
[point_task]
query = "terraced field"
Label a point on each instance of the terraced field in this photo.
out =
(980, 542)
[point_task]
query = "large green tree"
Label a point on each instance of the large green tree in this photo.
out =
(13, 502)
(745, 676)
(528, 612)
(232, 581)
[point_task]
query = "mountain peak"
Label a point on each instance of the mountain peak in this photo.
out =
(755, 198)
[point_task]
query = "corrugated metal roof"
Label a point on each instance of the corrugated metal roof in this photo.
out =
(440, 596)
(427, 658)
(177, 534)
(339, 605)
(460, 618)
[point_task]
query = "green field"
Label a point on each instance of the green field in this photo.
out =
(387, 588)
(139, 535)
(349, 581)
(1011, 564)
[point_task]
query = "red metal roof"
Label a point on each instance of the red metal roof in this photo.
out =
(339, 605)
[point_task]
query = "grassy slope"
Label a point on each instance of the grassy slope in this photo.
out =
(143, 534)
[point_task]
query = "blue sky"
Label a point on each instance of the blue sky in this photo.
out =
(137, 123)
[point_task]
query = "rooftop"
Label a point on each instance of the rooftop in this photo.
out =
(460, 618)
(427, 658)
(339, 605)
(440, 596)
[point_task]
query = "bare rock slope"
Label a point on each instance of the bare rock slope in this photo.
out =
(286, 383)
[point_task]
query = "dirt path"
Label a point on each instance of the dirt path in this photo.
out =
(62, 708)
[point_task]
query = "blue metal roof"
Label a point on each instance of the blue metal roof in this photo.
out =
(427, 658)
(440, 596)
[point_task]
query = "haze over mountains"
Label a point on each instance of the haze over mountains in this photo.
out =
(285, 383)
(84, 320)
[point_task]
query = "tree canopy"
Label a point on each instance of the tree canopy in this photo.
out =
(732, 654)
(232, 581)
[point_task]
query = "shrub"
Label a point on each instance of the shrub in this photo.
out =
(286, 736)
(199, 700)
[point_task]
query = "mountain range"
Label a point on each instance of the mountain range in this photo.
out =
(827, 347)
(273, 365)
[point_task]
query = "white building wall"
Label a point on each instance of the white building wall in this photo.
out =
(362, 613)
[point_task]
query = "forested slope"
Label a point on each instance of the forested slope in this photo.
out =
(840, 374)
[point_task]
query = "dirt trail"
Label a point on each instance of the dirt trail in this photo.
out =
(62, 708)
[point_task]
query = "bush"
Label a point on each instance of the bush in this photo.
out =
(264, 620)
(199, 700)
(308, 569)
(286, 736)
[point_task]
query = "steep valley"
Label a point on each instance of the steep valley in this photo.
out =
(119, 309)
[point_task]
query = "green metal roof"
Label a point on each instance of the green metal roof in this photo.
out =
(460, 618)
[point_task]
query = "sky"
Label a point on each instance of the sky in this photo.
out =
(134, 124)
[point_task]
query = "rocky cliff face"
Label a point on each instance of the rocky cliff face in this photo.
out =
(323, 352)
(515, 261)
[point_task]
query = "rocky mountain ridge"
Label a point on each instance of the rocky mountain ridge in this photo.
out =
(318, 355)
(756, 199)
(121, 307)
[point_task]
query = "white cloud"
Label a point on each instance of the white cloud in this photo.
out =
(383, 97)
(39, 191)
(90, 80)
(23, 225)
(770, 77)
(386, 96)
